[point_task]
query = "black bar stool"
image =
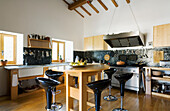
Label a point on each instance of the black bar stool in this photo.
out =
(122, 78)
(98, 87)
(54, 75)
(48, 85)
(109, 73)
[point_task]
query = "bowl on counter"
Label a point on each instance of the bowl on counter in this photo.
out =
(120, 63)
(157, 73)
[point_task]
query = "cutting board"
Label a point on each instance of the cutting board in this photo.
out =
(157, 56)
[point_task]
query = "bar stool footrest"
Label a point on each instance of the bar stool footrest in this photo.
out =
(110, 98)
(119, 109)
(94, 107)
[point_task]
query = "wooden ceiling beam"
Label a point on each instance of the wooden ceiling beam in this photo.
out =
(85, 10)
(128, 1)
(93, 7)
(102, 4)
(114, 2)
(77, 4)
(74, 9)
(79, 13)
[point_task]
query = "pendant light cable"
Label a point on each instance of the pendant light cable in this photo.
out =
(134, 17)
(112, 19)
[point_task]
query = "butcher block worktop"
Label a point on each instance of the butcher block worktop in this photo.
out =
(34, 66)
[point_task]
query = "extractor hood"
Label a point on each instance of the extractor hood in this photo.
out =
(127, 39)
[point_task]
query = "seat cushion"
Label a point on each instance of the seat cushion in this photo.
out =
(123, 77)
(47, 82)
(99, 85)
(53, 74)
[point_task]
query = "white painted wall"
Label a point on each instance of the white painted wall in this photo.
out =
(148, 14)
(44, 17)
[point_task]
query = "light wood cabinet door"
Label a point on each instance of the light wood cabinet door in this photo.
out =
(99, 43)
(161, 35)
(88, 43)
(95, 43)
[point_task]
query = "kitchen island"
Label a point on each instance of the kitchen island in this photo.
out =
(80, 93)
(24, 72)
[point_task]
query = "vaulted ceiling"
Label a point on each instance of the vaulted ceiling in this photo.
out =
(88, 7)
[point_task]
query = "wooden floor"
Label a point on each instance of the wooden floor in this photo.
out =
(132, 102)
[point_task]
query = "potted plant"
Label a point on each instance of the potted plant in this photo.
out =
(4, 62)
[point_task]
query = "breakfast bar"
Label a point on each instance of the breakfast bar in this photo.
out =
(81, 92)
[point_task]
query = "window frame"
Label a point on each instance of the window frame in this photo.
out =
(2, 35)
(58, 56)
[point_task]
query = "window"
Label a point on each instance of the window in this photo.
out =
(8, 48)
(58, 51)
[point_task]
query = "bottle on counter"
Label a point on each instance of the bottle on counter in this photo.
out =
(77, 59)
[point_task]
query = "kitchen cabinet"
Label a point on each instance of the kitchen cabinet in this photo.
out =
(161, 35)
(94, 43)
(88, 43)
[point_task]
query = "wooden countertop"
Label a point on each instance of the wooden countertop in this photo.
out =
(158, 68)
(33, 66)
(88, 68)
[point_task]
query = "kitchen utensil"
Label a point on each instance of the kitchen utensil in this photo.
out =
(122, 51)
(42, 54)
(127, 52)
(137, 52)
(146, 52)
(25, 52)
(132, 51)
(116, 52)
(47, 54)
(120, 63)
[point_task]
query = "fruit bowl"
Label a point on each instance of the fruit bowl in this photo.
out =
(76, 66)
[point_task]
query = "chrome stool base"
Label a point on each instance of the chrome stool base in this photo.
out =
(56, 106)
(93, 107)
(110, 98)
(119, 109)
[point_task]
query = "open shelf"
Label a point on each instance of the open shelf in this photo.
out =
(160, 78)
(39, 47)
(161, 95)
(38, 43)
(39, 40)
